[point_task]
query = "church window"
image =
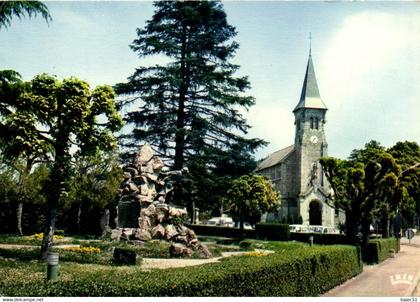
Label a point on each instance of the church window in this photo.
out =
(277, 172)
(312, 123)
(316, 123)
(272, 174)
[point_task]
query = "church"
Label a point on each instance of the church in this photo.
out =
(295, 171)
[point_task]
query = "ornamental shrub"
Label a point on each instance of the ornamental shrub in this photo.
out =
(272, 231)
(24, 254)
(124, 256)
(84, 257)
(378, 250)
(27, 254)
(245, 245)
(319, 238)
(207, 230)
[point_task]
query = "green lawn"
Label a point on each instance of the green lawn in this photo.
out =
(294, 269)
(29, 240)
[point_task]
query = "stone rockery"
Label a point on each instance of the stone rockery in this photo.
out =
(143, 211)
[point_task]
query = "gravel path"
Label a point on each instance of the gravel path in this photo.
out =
(159, 263)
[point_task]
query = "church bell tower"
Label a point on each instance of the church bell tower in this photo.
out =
(311, 145)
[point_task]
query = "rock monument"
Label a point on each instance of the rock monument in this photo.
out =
(143, 212)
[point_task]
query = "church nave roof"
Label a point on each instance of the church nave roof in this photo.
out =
(275, 158)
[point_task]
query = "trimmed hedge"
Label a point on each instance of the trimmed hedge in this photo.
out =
(13, 239)
(24, 254)
(124, 256)
(272, 231)
(309, 271)
(378, 249)
(27, 254)
(95, 258)
(326, 239)
(208, 230)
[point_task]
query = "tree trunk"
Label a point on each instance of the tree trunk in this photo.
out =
(193, 219)
(351, 227)
(19, 211)
(385, 226)
(54, 188)
(183, 90)
(365, 233)
(47, 241)
(78, 218)
(241, 223)
(22, 195)
(104, 222)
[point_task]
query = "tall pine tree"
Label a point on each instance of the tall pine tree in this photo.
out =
(190, 107)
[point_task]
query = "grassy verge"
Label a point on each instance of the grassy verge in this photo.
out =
(30, 240)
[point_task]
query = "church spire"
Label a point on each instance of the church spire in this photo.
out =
(310, 43)
(310, 98)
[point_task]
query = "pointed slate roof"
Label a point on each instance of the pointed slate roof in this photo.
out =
(310, 98)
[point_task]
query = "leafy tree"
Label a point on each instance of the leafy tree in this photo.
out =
(382, 186)
(11, 86)
(250, 196)
(21, 155)
(407, 154)
(205, 186)
(17, 187)
(371, 151)
(7, 187)
(190, 107)
(9, 9)
(93, 188)
(61, 114)
(28, 185)
(365, 187)
(346, 181)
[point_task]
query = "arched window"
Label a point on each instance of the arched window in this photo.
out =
(312, 123)
(316, 123)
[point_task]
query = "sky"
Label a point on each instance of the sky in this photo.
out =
(366, 57)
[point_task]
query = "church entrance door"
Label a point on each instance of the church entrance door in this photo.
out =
(315, 213)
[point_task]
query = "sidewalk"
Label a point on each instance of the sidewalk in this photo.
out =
(395, 277)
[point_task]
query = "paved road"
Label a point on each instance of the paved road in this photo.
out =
(395, 277)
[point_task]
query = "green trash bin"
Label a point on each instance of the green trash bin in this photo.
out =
(52, 269)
